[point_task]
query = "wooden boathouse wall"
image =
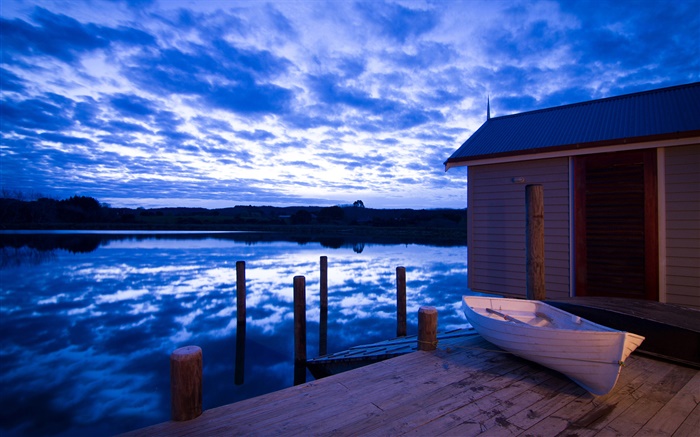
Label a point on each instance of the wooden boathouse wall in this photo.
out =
(682, 216)
(496, 245)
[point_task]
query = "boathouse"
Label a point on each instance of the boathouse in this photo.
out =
(621, 181)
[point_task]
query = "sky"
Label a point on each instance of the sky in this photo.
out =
(154, 103)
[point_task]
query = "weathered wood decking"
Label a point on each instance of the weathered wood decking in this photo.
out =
(466, 387)
(366, 354)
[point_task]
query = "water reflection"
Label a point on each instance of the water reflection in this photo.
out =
(86, 334)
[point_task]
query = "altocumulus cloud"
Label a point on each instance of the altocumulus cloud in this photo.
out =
(154, 103)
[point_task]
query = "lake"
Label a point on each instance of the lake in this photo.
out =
(89, 320)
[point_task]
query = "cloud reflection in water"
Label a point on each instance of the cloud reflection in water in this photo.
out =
(86, 336)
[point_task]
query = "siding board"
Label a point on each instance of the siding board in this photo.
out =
(682, 169)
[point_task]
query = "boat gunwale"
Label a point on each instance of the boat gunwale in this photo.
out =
(603, 330)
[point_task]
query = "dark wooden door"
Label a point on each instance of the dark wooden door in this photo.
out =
(615, 226)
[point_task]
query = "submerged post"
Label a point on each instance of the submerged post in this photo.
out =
(299, 330)
(239, 368)
(534, 242)
(427, 328)
(186, 383)
(323, 321)
(400, 301)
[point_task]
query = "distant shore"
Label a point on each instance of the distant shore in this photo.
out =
(366, 234)
(351, 223)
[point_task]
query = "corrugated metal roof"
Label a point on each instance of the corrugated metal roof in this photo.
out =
(665, 112)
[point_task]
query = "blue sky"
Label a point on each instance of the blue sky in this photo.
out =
(221, 103)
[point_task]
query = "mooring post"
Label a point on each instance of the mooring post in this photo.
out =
(427, 328)
(323, 321)
(186, 383)
(240, 292)
(534, 241)
(299, 330)
(400, 301)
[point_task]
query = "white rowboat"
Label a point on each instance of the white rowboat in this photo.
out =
(590, 354)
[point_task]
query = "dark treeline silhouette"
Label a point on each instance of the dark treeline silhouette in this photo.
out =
(81, 212)
(77, 209)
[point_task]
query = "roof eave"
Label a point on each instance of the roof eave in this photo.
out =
(464, 161)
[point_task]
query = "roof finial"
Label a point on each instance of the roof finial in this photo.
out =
(488, 107)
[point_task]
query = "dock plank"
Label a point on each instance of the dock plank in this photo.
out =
(670, 418)
(650, 399)
(419, 410)
(588, 413)
(467, 387)
(690, 425)
(435, 391)
(533, 406)
(628, 413)
(478, 415)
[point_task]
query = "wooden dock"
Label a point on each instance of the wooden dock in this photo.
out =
(366, 354)
(466, 387)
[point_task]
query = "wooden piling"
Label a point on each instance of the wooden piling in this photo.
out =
(299, 330)
(534, 241)
(427, 328)
(240, 292)
(323, 320)
(186, 383)
(400, 301)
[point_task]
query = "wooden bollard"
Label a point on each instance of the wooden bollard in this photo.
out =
(400, 301)
(186, 383)
(323, 320)
(240, 292)
(534, 242)
(427, 328)
(299, 330)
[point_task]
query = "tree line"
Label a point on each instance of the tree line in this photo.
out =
(90, 213)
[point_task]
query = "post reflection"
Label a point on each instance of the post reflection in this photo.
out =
(239, 372)
(86, 335)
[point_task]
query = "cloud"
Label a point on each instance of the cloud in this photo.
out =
(42, 113)
(398, 22)
(160, 100)
(11, 82)
(63, 37)
(132, 105)
(257, 135)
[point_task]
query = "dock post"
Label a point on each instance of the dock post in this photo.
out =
(186, 383)
(400, 301)
(323, 321)
(299, 330)
(240, 292)
(427, 328)
(534, 242)
(239, 374)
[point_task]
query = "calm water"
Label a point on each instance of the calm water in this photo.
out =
(89, 321)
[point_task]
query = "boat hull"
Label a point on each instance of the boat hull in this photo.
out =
(590, 354)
